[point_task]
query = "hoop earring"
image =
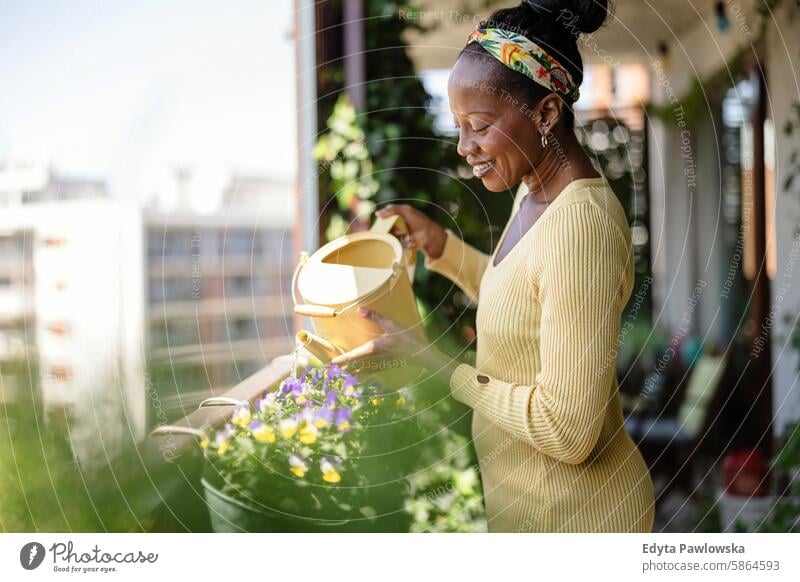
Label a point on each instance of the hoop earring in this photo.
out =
(544, 137)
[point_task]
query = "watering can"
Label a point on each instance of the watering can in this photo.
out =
(371, 269)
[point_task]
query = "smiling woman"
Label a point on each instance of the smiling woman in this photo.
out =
(547, 424)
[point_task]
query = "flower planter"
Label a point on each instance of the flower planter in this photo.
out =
(749, 511)
(230, 515)
(326, 451)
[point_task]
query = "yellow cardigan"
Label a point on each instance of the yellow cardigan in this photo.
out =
(547, 425)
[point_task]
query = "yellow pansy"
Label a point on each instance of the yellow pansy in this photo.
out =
(288, 427)
(308, 434)
(263, 433)
(241, 417)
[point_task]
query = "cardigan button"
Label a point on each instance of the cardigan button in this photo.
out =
(483, 379)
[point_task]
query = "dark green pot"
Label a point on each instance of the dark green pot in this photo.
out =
(230, 515)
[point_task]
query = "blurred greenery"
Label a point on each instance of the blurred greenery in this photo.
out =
(42, 485)
(47, 486)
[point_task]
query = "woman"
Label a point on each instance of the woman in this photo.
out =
(547, 424)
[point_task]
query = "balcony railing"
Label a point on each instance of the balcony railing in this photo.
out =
(159, 478)
(215, 411)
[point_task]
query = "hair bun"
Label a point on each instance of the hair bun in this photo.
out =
(581, 15)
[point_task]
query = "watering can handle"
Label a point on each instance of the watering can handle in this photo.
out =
(384, 224)
(303, 260)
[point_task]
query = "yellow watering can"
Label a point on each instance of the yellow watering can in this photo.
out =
(371, 269)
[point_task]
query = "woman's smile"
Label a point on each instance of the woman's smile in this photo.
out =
(479, 170)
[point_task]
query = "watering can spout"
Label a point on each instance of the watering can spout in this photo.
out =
(322, 349)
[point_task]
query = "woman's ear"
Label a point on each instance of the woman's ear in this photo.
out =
(550, 111)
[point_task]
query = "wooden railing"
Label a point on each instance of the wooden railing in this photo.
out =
(159, 478)
(175, 439)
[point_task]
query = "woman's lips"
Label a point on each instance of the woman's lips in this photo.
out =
(480, 170)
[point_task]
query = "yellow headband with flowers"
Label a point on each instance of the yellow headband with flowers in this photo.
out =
(525, 56)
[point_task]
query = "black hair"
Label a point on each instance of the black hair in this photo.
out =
(555, 26)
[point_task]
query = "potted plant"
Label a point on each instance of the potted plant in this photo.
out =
(308, 456)
(784, 516)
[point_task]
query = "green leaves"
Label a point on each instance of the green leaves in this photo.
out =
(343, 153)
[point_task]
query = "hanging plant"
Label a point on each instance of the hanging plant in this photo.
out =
(342, 150)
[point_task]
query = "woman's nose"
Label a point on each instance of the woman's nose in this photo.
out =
(466, 145)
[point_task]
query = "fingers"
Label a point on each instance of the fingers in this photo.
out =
(352, 358)
(386, 323)
(403, 210)
(409, 242)
(392, 210)
(389, 210)
(363, 354)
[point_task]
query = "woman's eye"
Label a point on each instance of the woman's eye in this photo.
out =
(481, 130)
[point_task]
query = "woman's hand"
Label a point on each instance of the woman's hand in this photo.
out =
(424, 234)
(397, 344)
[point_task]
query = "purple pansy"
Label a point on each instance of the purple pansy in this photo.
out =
(323, 417)
(291, 385)
(330, 399)
(342, 417)
(334, 371)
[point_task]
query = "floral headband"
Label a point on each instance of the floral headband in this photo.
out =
(524, 56)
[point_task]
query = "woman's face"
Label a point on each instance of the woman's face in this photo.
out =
(497, 135)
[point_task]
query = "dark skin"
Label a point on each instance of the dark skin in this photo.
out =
(505, 134)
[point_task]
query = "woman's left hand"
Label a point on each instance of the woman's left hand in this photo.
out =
(390, 349)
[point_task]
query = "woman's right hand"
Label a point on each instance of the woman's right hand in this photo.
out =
(424, 234)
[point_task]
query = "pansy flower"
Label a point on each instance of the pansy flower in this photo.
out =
(263, 433)
(330, 399)
(221, 442)
(323, 417)
(268, 404)
(288, 427)
(342, 417)
(291, 386)
(349, 387)
(308, 414)
(297, 465)
(308, 433)
(329, 470)
(241, 416)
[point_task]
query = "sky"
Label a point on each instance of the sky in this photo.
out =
(128, 91)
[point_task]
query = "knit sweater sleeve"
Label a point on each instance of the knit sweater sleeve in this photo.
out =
(461, 263)
(580, 269)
